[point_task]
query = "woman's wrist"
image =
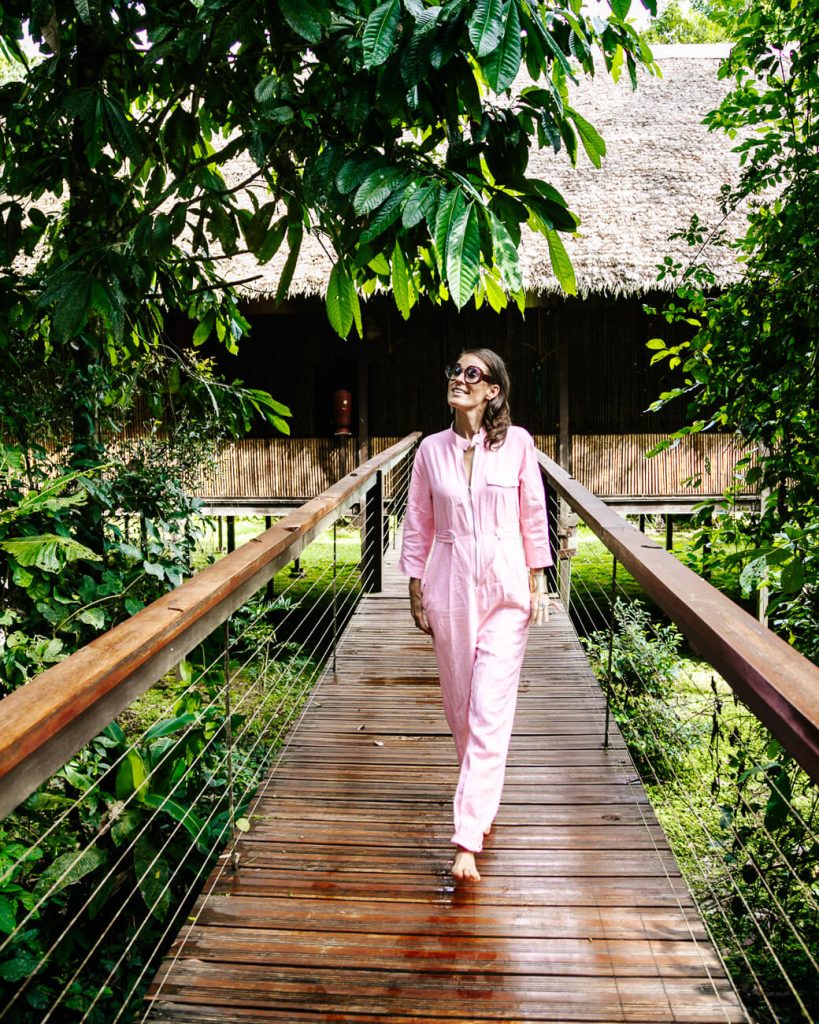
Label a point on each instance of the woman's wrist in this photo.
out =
(537, 581)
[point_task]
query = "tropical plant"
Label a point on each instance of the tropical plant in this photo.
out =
(638, 662)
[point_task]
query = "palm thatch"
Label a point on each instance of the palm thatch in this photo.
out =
(661, 167)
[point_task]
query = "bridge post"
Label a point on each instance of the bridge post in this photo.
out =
(373, 553)
(567, 549)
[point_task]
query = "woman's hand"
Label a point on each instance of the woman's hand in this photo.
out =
(538, 599)
(417, 607)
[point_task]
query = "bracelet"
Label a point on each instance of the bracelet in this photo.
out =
(537, 583)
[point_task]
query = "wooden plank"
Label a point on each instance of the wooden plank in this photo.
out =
(344, 908)
(531, 997)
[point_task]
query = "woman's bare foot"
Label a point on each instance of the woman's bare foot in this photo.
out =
(463, 867)
(487, 830)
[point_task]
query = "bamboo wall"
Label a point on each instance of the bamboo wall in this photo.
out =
(282, 468)
(609, 465)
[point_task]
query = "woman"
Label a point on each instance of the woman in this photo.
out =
(476, 501)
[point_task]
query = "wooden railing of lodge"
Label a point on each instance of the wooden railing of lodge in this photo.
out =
(49, 719)
(778, 684)
(54, 715)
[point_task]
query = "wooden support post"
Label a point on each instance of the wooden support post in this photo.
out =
(642, 523)
(564, 437)
(363, 410)
(764, 593)
(669, 532)
(373, 547)
(231, 533)
(567, 534)
(270, 589)
(220, 520)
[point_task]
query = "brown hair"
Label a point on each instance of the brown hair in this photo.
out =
(497, 418)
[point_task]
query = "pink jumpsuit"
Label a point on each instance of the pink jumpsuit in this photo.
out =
(470, 544)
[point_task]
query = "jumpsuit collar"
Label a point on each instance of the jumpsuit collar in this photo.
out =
(465, 444)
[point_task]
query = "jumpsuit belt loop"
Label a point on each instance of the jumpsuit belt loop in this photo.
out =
(445, 536)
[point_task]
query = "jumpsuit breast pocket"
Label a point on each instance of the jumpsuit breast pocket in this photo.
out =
(503, 506)
(508, 571)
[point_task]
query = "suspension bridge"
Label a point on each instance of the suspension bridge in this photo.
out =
(332, 898)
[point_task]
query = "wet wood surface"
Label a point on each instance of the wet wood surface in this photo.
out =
(344, 908)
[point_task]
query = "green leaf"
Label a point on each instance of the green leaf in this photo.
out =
(121, 132)
(495, 295)
(131, 775)
(505, 254)
(401, 283)
(592, 141)
(72, 309)
(266, 89)
(356, 308)
(125, 824)
(48, 551)
(353, 171)
(264, 399)
(113, 731)
(793, 576)
(272, 241)
(152, 874)
(620, 8)
(169, 726)
(550, 42)
(69, 869)
(295, 234)
(184, 815)
(486, 26)
(420, 204)
(448, 210)
(203, 329)
(656, 343)
(379, 33)
(93, 617)
(305, 17)
(21, 965)
(339, 310)
(380, 264)
(242, 825)
(83, 8)
(561, 264)
(8, 915)
(375, 188)
(463, 255)
(502, 66)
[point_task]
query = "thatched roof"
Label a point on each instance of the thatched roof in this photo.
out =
(662, 166)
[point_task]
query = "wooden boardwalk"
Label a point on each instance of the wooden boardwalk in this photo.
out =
(343, 908)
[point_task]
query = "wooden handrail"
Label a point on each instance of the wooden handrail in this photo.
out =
(777, 683)
(49, 719)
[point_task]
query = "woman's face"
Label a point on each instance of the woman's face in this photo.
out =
(470, 397)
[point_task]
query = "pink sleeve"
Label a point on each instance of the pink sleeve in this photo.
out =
(419, 522)
(534, 526)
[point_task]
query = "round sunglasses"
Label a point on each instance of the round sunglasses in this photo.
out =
(472, 374)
